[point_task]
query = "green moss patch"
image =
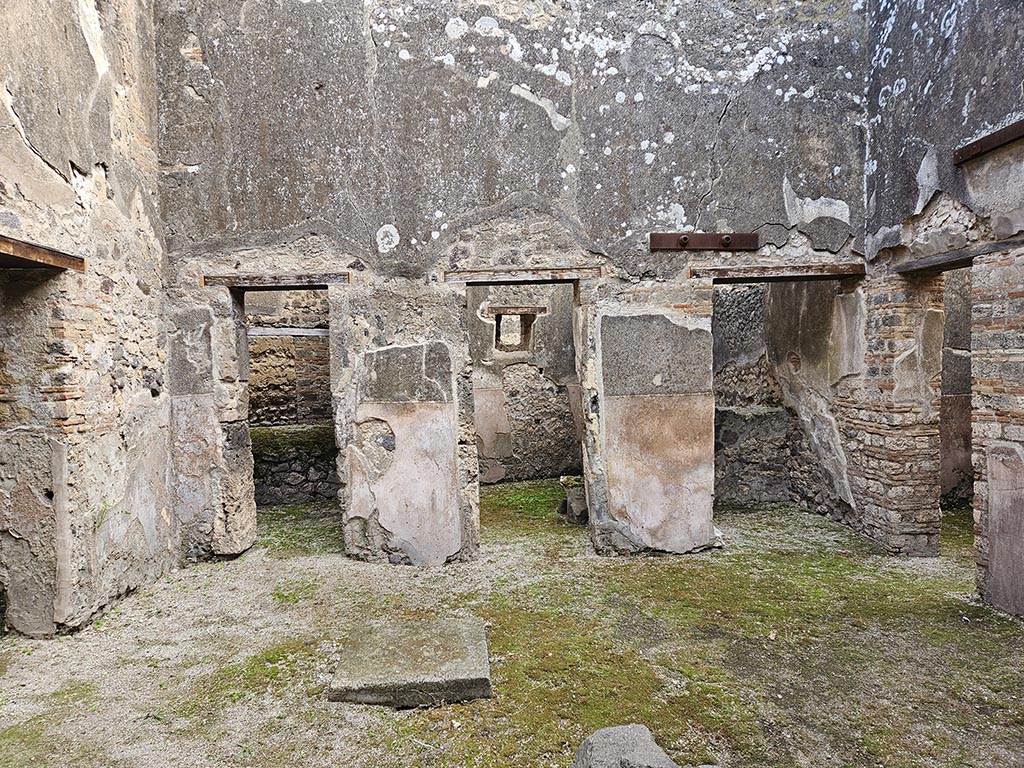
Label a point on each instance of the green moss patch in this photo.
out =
(267, 671)
(797, 644)
(300, 529)
(522, 508)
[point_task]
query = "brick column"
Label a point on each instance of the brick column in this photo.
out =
(889, 418)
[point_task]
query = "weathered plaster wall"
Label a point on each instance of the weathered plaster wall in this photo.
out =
(342, 118)
(84, 449)
(527, 411)
(941, 75)
(400, 141)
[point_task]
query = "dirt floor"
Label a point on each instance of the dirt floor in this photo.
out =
(799, 644)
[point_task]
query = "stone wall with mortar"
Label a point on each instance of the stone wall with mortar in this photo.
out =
(579, 129)
(527, 400)
(402, 141)
(941, 76)
(860, 362)
(998, 435)
(955, 416)
(762, 455)
(84, 412)
(294, 464)
(289, 368)
(289, 379)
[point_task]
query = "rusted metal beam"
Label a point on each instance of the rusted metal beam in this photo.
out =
(994, 140)
(293, 282)
(761, 273)
(521, 275)
(18, 254)
(964, 257)
(705, 241)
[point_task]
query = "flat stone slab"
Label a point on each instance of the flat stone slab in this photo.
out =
(422, 663)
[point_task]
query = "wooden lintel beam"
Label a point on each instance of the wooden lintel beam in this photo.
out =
(492, 310)
(759, 273)
(292, 282)
(295, 332)
(18, 254)
(994, 140)
(964, 257)
(525, 275)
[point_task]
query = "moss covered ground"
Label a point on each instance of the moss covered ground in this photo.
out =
(797, 644)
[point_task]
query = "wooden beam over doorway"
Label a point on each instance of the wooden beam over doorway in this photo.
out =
(762, 273)
(292, 282)
(963, 257)
(988, 143)
(18, 254)
(521, 275)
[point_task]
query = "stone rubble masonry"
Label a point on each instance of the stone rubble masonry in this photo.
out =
(85, 416)
(124, 438)
(527, 410)
(294, 464)
(762, 454)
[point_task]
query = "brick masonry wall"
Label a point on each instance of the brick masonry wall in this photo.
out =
(84, 451)
(889, 416)
(998, 425)
(289, 379)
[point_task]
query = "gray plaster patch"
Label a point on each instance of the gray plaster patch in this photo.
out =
(414, 374)
(1006, 527)
(414, 664)
(649, 354)
(827, 233)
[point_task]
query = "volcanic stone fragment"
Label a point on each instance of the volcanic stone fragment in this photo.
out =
(624, 746)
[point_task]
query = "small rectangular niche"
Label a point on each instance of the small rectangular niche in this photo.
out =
(513, 327)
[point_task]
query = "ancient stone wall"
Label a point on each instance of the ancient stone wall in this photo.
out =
(84, 413)
(940, 76)
(955, 416)
(762, 455)
(579, 129)
(289, 357)
(525, 386)
(998, 362)
(294, 464)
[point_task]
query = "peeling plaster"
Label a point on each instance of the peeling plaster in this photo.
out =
(804, 210)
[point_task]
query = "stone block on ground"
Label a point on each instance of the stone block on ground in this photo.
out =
(624, 746)
(574, 507)
(414, 664)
